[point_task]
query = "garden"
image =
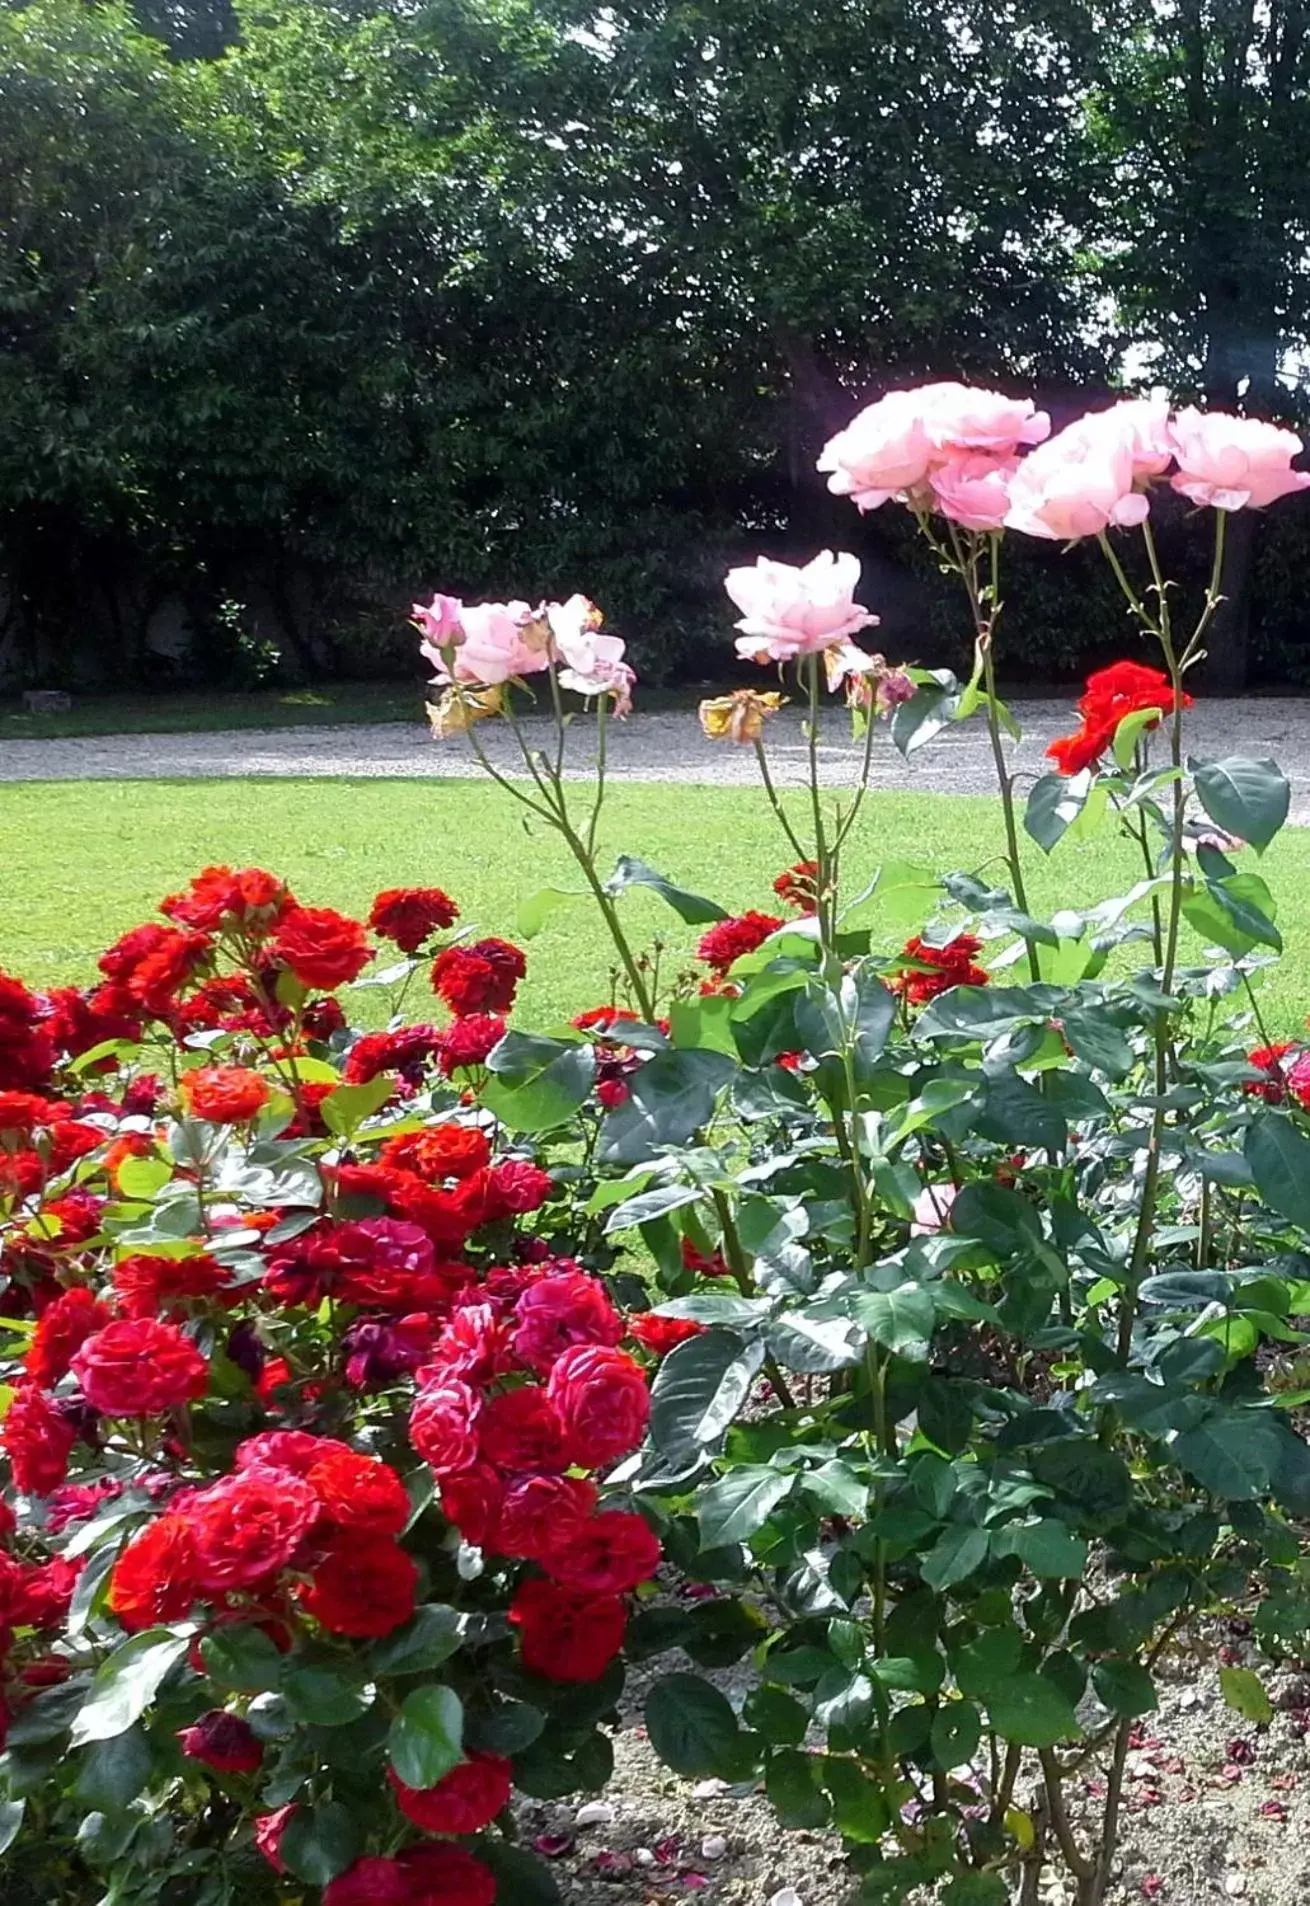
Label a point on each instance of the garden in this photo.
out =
(835, 1360)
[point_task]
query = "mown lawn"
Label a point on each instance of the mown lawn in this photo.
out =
(84, 860)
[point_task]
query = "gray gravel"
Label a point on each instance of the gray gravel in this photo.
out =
(648, 747)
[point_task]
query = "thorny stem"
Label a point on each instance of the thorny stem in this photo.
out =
(802, 853)
(736, 1256)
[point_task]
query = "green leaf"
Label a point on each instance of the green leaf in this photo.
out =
(1030, 1710)
(125, 1684)
(1279, 1158)
(698, 1390)
(691, 1725)
(778, 1716)
(1049, 1548)
(1054, 804)
(113, 1772)
(691, 907)
(1015, 1112)
(1232, 1453)
(536, 910)
(669, 1099)
(427, 1736)
(793, 1782)
(739, 1503)
(431, 1635)
(318, 1842)
(345, 1110)
(1125, 1688)
(900, 1320)
(956, 1732)
(323, 1696)
(859, 1806)
(958, 1551)
(11, 1819)
(522, 1879)
(243, 1657)
(1244, 1692)
(655, 1203)
(1245, 797)
(705, 1024)
(540, 1097)
(143, 1177)
(1129, 731)
(975, 1889)
(1236, 914)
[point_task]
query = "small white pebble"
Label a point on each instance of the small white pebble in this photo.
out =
(1235, 1885)
(786, 1896)
(1190, 1697)
(713, 1847)
(643, 1856)
(596, 1813)
(712, 1790)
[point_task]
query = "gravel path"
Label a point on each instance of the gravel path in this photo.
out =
(654, 747)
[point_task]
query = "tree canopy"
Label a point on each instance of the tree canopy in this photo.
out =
(308, 305)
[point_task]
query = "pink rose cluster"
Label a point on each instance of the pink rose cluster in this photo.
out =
(486, 644)
(948, 449)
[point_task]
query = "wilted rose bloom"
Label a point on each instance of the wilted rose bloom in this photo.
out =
(788, 612)
(1234, 463)
(593, 663)
(501, 639)
(738, 717)
(459, 708)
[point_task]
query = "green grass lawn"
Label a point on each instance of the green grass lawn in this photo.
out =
(84, 860)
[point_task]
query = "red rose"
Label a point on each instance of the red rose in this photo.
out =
(217, 897)
(469, 1042)
(295, 1450)
(61, 1330)
(360, 1493)
(249, 1525)
(605, 1555)
(445, 1876)
(361, 1588)
(473, 1346)
(938, 968)
(445, 1215)
(520, 1430)
(481, 976)
(47, 1590)
(540, 1510)
(37, 1440)
(222, 1741)
(372, 1881)
(225, 1095)
(518, 1187)
(155, 1578)
(140, 1368)
(307, 1268)
(23, 1111)
(472, 1501)
(440, 1151)
(659, 1335)
(558, 1311)
(564, 1635)
(797, 886)
(321, 947)
(602, 1401)
(176, 957)
(406, 1051)
(443, 1426)
(411, 915)
(146, 1284)
(269, 1828)
(1122, 689)
(465, 1800)
(728, 940)
(715, 1265)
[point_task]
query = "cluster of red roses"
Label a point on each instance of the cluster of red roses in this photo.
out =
(406, 1282)
(935, 969)
(1111, 695)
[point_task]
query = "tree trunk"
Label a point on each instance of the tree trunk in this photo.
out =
(1227, 663)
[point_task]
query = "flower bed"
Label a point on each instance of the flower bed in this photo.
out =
(911, 1280)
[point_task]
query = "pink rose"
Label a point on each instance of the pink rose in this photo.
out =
(1081, 483)
(442, 1426)
(495, 640)
(602, 1402)
(593, 663)
(558, 1311)
(439, 621)
(932, 1209)
(974, 490)
(1234, 463)
(959, 417)
(787, 612)
(883, 452)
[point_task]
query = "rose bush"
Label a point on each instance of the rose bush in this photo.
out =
(918, 1277)
(307, 1557)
